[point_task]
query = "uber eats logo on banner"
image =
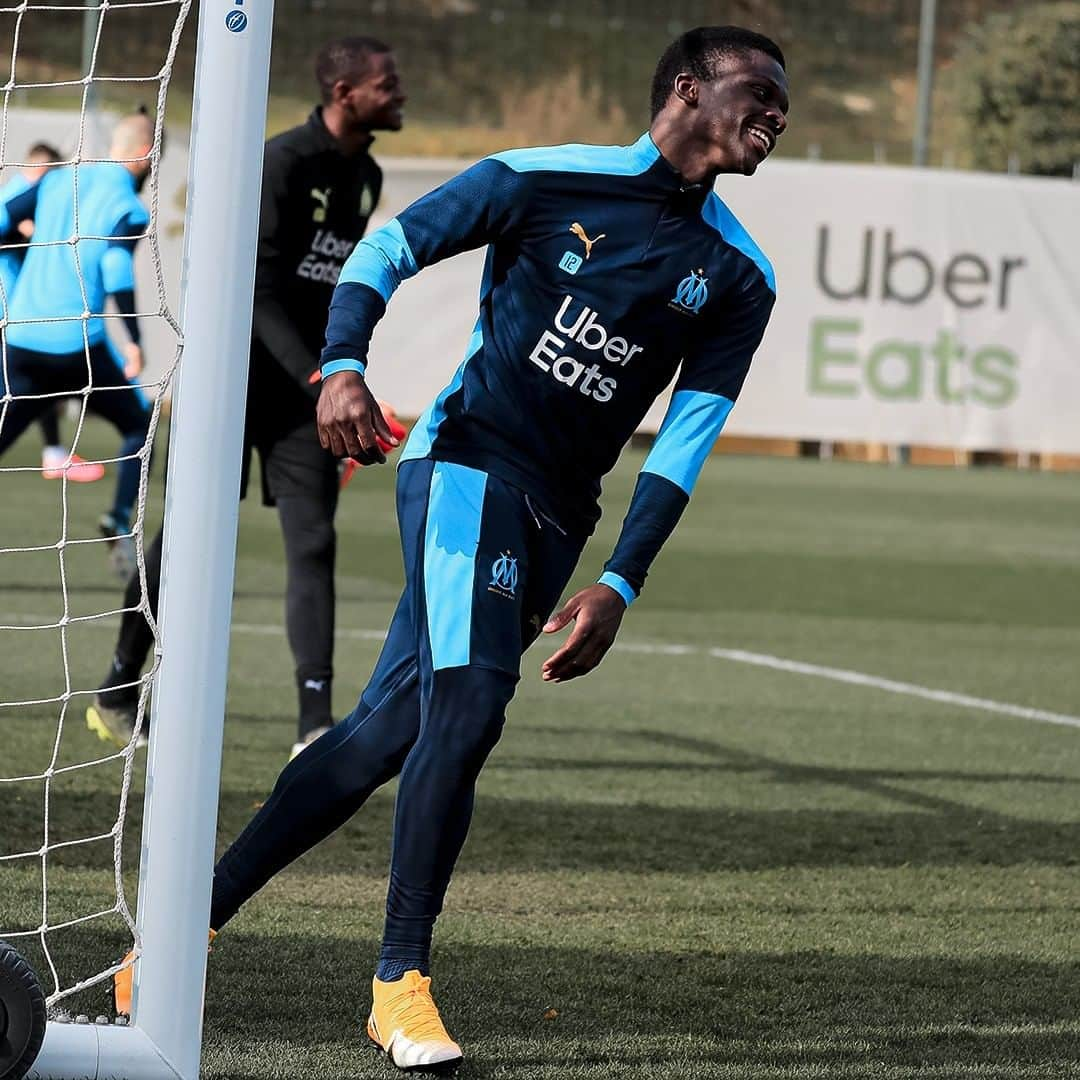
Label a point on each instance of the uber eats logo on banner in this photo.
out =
(875, 268)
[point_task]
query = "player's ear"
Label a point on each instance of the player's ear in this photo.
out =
(686, 89)
(341, 91)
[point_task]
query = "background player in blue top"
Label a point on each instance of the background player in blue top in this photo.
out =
(610, 271)
(56, 461)
(51, 348)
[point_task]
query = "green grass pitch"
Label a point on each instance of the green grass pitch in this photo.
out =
(680, 866)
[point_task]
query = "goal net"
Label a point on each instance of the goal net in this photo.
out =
(91, 873)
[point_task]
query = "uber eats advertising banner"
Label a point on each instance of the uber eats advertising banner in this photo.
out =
(923, 307)
(915, 307)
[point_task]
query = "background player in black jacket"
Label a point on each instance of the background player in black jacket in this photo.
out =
(320, 186)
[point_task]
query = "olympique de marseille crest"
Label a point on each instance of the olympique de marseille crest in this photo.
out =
(504, 575)
(692, 292)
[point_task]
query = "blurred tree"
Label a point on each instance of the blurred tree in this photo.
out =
(1017, 79)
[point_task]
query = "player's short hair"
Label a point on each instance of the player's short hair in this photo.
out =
(346, 58)
(44, 153)
(699, 52)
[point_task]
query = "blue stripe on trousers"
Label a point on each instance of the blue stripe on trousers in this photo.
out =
(451, 537)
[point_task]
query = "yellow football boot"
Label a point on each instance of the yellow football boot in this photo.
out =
(114, 726)
(405, 1023)
(124, 979)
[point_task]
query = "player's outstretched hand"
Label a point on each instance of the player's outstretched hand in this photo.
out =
(350, 420)
(596, 613)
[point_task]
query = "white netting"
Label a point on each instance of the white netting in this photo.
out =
(66, 843)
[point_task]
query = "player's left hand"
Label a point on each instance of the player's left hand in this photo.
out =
(596, 613)
(133, 360)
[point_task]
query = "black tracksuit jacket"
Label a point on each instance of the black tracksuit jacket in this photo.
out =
(316, 203)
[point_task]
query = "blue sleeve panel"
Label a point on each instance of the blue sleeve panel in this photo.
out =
(117, 269)
(693, 422)
(467, 212)
(382, 260)
(118, 263)
(18, 208)
(654, 511)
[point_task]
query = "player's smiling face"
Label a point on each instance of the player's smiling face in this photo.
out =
(743, 111)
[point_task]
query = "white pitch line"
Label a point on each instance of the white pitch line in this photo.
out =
(741, 656)
(858, 678)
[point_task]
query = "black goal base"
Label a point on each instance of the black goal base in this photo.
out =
(22, 1015)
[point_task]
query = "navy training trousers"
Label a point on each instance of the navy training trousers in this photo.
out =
(484, 568)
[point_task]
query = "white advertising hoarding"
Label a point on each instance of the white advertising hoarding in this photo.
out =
(915, 306)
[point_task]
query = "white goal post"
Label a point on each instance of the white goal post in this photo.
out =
(164, 1037)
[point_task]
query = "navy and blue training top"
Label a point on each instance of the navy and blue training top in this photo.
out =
(607, 274)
